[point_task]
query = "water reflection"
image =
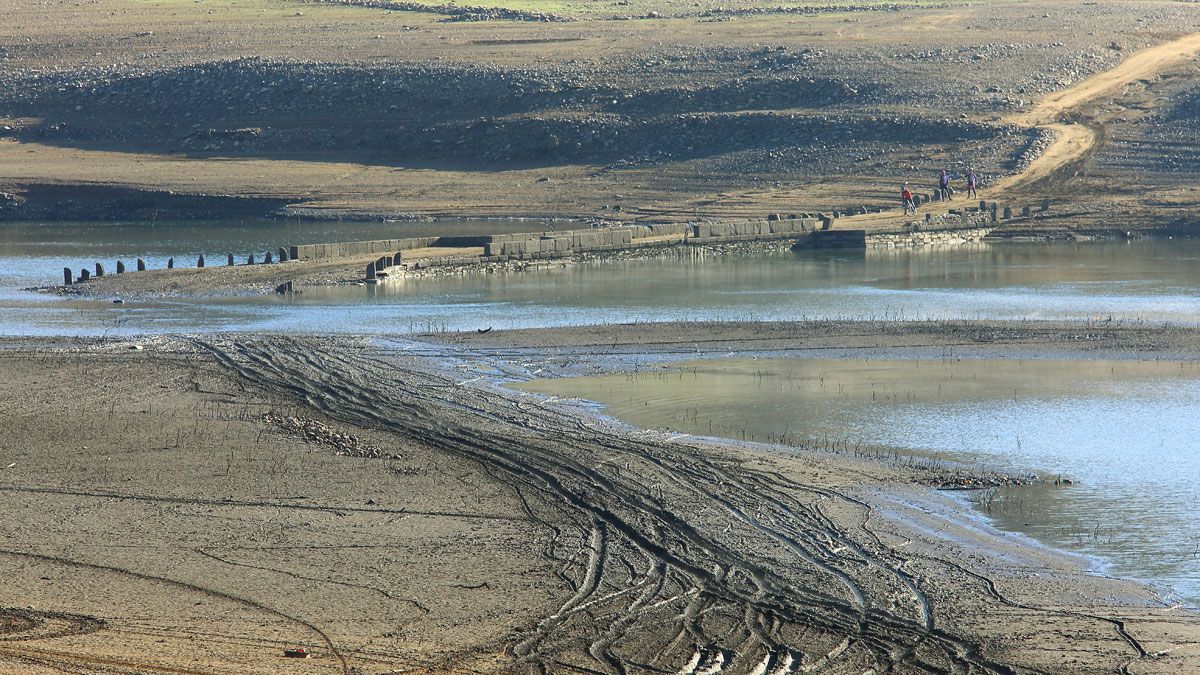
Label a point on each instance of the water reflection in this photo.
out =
(1123, 433)
(1142, 281)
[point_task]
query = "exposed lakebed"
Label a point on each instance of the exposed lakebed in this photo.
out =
(1122, 432)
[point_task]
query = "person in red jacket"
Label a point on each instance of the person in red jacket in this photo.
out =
(906, 197)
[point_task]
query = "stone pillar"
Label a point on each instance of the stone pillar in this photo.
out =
(995, 212)
(141, 265)
(120, 267)
(229, 260)
(983, 205)
(250, 259)
(267, 259)
(389, 260)
(66, 276)
(826, 222)
(99, 270)
(283, 254)
(370, 271)
(397, 258)
(1008, 213)
(928, 217)
(1026, 212)
(200, 261)
(170, 263)
(84, 275)
(1045, 205)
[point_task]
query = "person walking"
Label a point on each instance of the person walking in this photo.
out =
(944, 185)
(972, 182)
(906, 197)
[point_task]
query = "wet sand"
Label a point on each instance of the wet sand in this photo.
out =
(157, 518)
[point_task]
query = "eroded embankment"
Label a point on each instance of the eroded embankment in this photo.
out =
(685, 555)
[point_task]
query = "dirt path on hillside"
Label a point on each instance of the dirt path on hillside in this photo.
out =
(1073, 140)
(1141, 65)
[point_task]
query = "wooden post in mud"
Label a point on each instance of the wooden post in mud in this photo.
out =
(370, 271)
(283, 255)
(120, 267)
(170, 263)
(66, 276)
(200, 261)
(99, 270)
(141, 265)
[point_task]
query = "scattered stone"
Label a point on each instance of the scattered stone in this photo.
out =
(320, 433)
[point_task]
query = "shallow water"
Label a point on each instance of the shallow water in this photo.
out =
(1124, 433)
(1148, 281)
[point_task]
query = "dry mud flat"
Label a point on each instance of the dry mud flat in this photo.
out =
(198, 505)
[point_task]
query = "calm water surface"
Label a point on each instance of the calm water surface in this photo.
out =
(1150, 281)
(1126, 434)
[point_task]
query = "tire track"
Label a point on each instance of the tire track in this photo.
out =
(739, 562)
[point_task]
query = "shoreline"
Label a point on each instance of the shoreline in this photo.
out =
(868, 553)
(955, 476)
(218, 279)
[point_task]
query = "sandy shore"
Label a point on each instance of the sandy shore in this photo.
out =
(199, 505)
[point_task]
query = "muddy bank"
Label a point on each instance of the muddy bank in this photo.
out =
(994, 338)
(82, 202)
(607, 549)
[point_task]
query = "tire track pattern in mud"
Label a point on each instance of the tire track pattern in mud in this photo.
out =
(21, 625)
(676, 561)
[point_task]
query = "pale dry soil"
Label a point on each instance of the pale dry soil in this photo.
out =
(1147, 39)
(155, 521)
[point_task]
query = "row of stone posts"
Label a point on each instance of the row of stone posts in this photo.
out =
(86, 275)
(374, 269)
(996, 213)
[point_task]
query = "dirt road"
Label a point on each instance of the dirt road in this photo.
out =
(1074, 140)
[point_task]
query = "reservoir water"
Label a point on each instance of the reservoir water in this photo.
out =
(1124, 433)
(1154, 281)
